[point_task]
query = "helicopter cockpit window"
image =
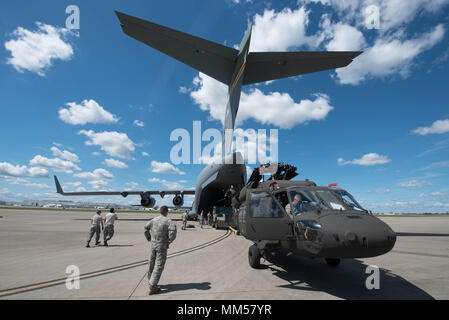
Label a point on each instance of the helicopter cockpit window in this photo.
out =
(303, 201)
(262, 205)
(334, 202)
(349, 200)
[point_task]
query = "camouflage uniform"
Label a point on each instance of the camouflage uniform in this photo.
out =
(95, 229)
(109, 226)
(161, 231)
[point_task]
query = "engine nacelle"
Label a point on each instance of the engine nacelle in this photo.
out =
(147, 200)
(178, 200)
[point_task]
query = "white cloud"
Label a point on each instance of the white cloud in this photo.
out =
(9, 170)
(391, 50)
(133, 185)
(435, 165)
(345, 38)
(275, 108)
(68, 185)
(369, 159)
(115, 163)
(37, 185)
(164, 167)
(183, 90)
(389, 56)
(422, 195)
(438, 127)
(55, 164)
(97, 174)
(66, 155)
(278, 31)
(145, 154)
(392, 13)
(89, 111)
(35, 50)
(138, 123)
(114, 143)
(171, 185)
(26, 183)
(97, 184)
(380, 191)
(415, 184)
(246, 142)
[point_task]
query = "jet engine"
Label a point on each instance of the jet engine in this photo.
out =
(147, 200)
(178, 200)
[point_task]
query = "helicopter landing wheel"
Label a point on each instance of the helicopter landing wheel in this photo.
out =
(333, 262)
(254, 256)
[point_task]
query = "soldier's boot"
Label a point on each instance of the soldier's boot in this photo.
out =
(97, 243)
(106, 243)
(154, 290)
(87, 245)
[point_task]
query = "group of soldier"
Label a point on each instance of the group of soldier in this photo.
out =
(98, 224)
(206, 217)
(159, 231)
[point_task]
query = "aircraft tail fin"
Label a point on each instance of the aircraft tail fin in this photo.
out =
(232, 67)
(58, 186)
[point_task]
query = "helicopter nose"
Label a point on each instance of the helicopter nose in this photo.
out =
(355, 236)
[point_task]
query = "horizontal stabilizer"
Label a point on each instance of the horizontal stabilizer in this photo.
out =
(265, 66)
(213, 59)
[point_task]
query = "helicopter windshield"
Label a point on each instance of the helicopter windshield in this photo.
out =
(302, 201)
(349, 200)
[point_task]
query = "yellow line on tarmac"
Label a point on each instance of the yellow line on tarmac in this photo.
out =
(233, 230)
(106, 271)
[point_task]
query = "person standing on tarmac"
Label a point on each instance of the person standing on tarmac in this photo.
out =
(109, 226)
(160, 231)
(202, 219)
(184, 220)
(96, 222)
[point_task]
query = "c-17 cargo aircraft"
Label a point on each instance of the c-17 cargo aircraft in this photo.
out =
(235, 68)
(277, 214)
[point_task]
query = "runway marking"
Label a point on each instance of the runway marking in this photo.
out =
(233, 230)
(51, 283)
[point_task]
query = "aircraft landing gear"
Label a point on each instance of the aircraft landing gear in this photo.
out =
(333, 262)
(254, 256)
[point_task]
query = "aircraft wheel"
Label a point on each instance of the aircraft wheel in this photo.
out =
(254, 257)
(334, 262)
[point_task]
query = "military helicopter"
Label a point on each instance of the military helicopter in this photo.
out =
(280, 214)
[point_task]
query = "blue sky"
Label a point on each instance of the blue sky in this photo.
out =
(70, 99)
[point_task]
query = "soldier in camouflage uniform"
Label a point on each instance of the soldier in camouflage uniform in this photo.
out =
(96, 223)
(160, 231)
(109, 226)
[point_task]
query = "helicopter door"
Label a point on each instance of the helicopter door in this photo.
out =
(266, 220)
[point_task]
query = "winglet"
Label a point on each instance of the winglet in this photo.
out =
(58, 186)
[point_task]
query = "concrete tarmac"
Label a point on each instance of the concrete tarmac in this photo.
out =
(37, 246)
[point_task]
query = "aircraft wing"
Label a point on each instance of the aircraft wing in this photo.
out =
(124, 194)
(265, 66)
(206, 56)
